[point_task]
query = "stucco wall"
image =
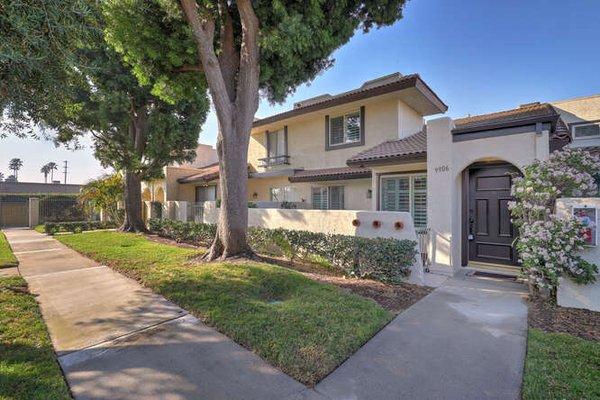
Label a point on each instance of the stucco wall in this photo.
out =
(446, 161)
(306, 135)
(569, 293)
(580, 110)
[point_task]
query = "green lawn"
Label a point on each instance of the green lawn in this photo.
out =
(40, 228)
(303, 327)
(561, 366)
(7, 258)
(28, 368)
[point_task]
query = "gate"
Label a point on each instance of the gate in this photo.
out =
(14, 211)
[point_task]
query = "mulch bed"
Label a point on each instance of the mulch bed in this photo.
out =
(394, 298)
(552, 318)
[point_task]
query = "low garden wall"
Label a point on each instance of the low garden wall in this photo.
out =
(569, 293)
(365, 224)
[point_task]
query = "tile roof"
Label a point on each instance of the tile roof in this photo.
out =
(330, 174)
(204, 174)
(525, 113)
(409, 148)
(375, 87)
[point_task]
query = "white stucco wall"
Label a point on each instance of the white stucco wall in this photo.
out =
(446, 160)
(569, 293)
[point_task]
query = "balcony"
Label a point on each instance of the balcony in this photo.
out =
(274, 160)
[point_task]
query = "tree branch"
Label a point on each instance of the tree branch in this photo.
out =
(248, 78)
(203, 31)
(229, 58)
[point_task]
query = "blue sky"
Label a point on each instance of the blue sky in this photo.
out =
(478, 55)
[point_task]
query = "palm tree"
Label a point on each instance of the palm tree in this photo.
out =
(15, 165)
(45, 170)
(1, 176)
(52, 167)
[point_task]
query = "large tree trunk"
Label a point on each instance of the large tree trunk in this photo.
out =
(133, 204)
(230, 240)
(233, 81)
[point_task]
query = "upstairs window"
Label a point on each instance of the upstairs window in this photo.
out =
(586, 131)
(276, 145)
(346, 129)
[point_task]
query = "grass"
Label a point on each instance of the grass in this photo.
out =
(28, 368)
(7, 258)
(561, 366)
(303, 327)
(40, 228)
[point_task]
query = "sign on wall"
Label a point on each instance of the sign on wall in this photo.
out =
(589, 219)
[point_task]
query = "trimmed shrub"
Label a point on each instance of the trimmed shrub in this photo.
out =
(387, 260)
(76, 227)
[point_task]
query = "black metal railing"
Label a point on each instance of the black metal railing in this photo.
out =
(274, 160)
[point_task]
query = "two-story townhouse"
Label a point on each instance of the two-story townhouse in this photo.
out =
(300, 156)
(371, 149)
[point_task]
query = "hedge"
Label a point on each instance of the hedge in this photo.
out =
(76, 226)
(384, 259)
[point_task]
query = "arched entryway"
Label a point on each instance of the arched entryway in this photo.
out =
(487, 232)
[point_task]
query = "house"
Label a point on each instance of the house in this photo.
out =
(372, 149)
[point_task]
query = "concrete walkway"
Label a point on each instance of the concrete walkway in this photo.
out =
(466, 340)
(117, 340)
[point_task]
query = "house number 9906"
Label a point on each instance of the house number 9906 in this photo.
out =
(441, 168)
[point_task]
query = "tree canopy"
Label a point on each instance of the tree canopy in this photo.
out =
(35, 54)
(296, 38)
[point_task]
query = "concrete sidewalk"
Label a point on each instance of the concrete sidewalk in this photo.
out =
(466, 340)
(118, 340)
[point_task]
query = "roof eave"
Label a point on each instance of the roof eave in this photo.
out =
(409, 81)
(392, 160)
(509, 124)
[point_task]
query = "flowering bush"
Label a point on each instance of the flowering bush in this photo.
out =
(548, 245)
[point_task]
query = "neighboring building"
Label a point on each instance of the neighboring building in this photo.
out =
(34, 188)
(371, 149)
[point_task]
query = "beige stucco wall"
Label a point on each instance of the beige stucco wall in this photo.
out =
(386, 118)
(446, 161)
(569, 293)
(580, 110)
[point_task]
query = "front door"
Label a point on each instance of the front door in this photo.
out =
(490, 231)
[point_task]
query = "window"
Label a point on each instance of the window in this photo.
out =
(406, 193)
(276, 144)
(206, 193)
(328, 198)
(284, 193)
(345, 129)
(586, 131)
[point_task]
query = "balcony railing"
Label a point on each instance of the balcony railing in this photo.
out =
(274, 160)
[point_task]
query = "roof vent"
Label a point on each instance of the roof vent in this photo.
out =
(312, 100)
(535, 103)
(381, 80)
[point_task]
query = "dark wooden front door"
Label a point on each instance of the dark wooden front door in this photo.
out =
(490, 232)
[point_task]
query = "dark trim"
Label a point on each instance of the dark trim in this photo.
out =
(506, 131)
(268, 141)
(594, 121)
(361, 142)
(464, 245)
(326, 132)
(406, 82)
(331, 177)
(392, 160)
(378, 183)
(285, 140)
